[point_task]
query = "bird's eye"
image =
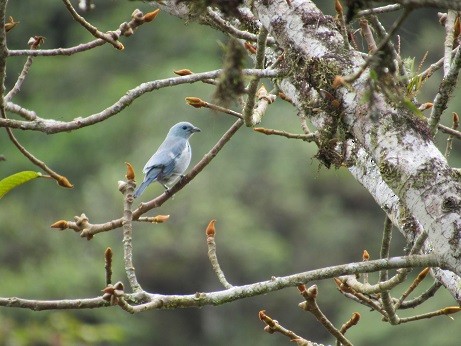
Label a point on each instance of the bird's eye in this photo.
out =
(184, 127)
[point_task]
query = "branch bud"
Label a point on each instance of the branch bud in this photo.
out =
(108, 256)
(338, 7)
(195, 102)
(183, 72)
(64, 182)
(313, 291)
(35, 41)
(249, 47)
(160, 218)
(149, 17)
(11, 24)
(338, 82)
(269, 329)
(442, 18)
(355, 318)
(129, 171)
(426, 105)
(301, 288)
(423, 274)
(262, 315)
(451, 310)
(211, 230)
(61, 224)
(137, 14)
(455, 120)
(284, 97)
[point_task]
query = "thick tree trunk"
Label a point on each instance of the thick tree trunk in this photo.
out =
(391, 151)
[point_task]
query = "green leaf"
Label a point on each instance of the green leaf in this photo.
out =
(15, 180)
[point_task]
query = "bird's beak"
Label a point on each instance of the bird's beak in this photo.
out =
(196, 129)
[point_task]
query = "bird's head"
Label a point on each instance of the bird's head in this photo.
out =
(183, 129)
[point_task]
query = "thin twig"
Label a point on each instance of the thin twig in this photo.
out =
(310, 304)
(253, 86)
(450, 137)
(379, 10)
(92, 29)
(441, 4)
(273, 326)
(386, 301)
(125, 29)
(429, 293)
(449, 131)
(365, 30)
(199, 103)
(311, 137)
(381, 45)
(395, 53)
(61, 180)
(3, 52)
(434, 67)
(127, 190)
(210, 240)
(446, 88)
(350, 323)
(264, 100)
(228, 28)
(445, 311)
(449, 40)
(412, 287)
(342, 23)
(22, 76)
(58, 51)
(385, 245)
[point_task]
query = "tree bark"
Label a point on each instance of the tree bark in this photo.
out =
(390, 152)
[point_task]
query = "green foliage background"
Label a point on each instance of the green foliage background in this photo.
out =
(277, 211)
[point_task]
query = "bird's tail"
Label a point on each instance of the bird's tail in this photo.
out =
(141, 188)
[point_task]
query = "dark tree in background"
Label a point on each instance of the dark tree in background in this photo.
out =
(320, 127)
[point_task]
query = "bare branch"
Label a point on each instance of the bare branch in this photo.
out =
(253, 86)
(379, 10)
(446, 88)
(22, 76)
(449, 40)
(92, 29)
(3, 51)
(442, 4)
(273, 326)
(310, 304)
(54, 126)
(127, 190)
(226, 27)
(311, 137)
(410, 304)
(210, 240)
(60, 179)
(62, 304)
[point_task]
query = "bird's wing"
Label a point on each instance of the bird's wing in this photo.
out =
(164, 159)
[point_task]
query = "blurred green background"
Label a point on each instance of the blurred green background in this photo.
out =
(278, 212)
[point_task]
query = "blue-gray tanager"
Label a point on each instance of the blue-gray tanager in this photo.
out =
(171, 159)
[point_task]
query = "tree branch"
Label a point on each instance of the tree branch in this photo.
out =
(50, 126)
(442, 4)
(158, 301)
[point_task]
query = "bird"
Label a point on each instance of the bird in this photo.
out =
(171, 159)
